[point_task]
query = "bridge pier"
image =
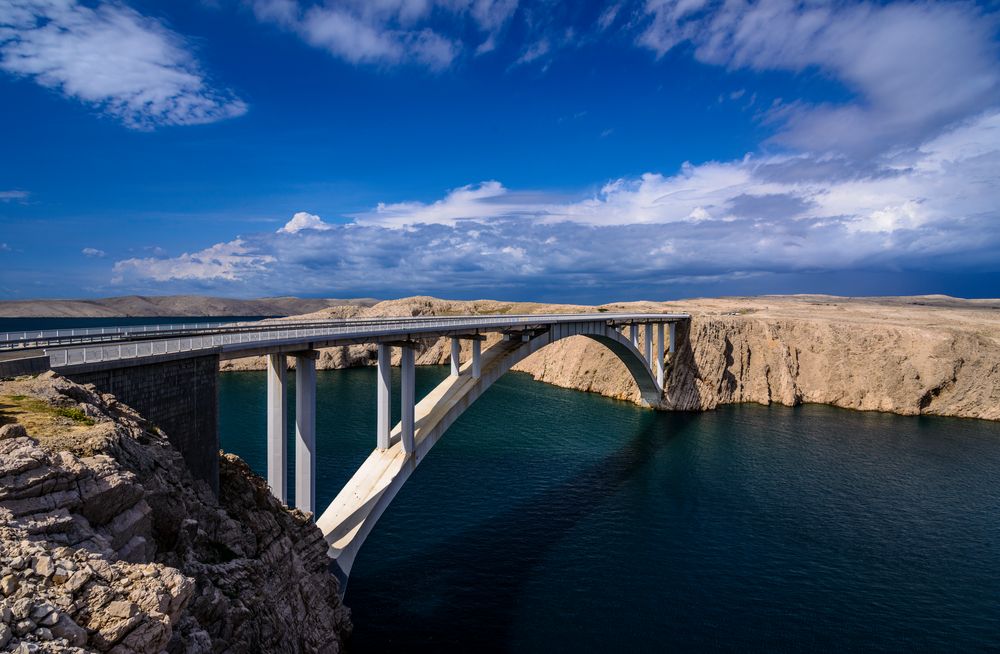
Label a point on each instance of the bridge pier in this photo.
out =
(649, 344)
(277, 468)
(635, 335)
(407, 398)
(305, 430)
(384, 411)
(659, 354)
(456, 356)
(673, 337)
(477, 355)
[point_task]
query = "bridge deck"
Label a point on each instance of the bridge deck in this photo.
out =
(122, 347)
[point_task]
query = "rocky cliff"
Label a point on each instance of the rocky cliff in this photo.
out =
(919, 355)
(107, 543)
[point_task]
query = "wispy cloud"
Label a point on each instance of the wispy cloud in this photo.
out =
(753, 216)
(130, 66)
(93, 253)
(914, 68)
(14, 196)
(391, 32)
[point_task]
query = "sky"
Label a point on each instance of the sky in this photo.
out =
(507, 149)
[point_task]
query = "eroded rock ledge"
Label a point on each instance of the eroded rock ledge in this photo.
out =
(107, 543)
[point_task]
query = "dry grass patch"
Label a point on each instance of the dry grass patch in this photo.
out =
(42, 419)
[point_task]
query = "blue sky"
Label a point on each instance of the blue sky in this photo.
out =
(507, 149)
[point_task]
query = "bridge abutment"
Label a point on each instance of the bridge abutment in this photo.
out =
(179, 396)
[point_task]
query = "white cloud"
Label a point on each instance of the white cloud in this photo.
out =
(469, 202)
(93, 253)
(535, 51)
(230, 261)
(110, 56)
(732, 220)
(391, 32)
(9, 196)
(914, 67)
(303, 220)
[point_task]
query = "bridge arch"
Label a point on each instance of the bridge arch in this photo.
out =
(353, 513)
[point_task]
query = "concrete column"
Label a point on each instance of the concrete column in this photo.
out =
(305, 432)
(407, 399)
(477, 352)
(384, 417)
(659, 354)
(277, 466)
(649, 344)
(635, 335)
(456, 356)
(673, 337)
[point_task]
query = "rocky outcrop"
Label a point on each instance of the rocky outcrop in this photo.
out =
(921, 355)
(109, 544)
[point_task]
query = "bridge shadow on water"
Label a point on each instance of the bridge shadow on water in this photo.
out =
(502, 551)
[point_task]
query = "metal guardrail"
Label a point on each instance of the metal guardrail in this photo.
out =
(347, 329)
(11, 340)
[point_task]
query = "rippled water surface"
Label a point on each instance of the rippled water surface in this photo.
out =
(553, 520)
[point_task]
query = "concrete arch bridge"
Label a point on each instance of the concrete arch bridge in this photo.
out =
(169, 373)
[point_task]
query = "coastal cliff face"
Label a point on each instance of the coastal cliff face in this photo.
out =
(909, 356)
(107, 543)
(730, 359)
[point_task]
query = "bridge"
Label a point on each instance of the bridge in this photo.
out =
(169, 373)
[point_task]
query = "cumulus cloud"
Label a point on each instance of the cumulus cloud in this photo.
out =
(94, 253)
(390, 32)
(714, 221)
(913, 68)
(231, 261)
(11, 196)
(128, 65)
(303, 220)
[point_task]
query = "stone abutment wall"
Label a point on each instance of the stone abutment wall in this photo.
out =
(180, 397)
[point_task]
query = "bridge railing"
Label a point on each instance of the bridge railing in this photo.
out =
(9, 340)
(370, 328)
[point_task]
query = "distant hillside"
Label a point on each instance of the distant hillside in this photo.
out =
(169, 305)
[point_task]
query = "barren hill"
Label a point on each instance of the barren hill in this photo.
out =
(169, 305)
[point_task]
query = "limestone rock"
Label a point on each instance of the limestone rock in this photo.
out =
(107, 543)
(916, 355)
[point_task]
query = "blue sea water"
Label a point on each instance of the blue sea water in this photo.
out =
(552, 520)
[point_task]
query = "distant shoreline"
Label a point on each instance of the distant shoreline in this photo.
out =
(201, 306)
(174, 306)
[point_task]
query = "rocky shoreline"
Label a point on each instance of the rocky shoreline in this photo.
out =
(911, 356)
(107, 543)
